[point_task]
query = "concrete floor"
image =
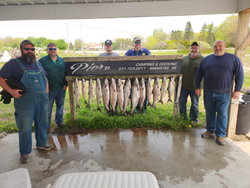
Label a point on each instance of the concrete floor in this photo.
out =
(177, 159)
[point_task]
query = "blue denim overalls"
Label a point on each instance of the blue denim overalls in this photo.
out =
(32, 106)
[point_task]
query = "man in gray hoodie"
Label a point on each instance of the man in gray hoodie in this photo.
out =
(190, 64)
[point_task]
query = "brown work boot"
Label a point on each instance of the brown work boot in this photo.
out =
(207, 134)
(61, 125)
(24, 159)
(220, 141)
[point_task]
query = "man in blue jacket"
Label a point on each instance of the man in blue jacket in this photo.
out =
(139, 51)
(218, 71)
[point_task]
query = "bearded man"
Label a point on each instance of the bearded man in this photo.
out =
(33, 104)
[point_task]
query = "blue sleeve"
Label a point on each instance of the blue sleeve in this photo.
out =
(7, 69)
(127, 53)
(199, 75)
(148, 52)
(239, 74)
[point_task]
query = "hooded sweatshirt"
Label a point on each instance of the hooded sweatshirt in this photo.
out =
(189, 69)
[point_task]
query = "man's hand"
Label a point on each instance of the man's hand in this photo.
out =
(64, 87)
(236, 95)
(198, 92)
(15, 93)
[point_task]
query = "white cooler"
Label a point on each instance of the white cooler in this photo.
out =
(110, 179)
(18, 178)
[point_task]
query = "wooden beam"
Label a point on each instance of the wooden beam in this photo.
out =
(72, 101)
(245, 43)
(242, 30)
(177, 93)
(232, 115)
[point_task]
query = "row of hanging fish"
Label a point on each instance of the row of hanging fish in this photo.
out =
(114, 93)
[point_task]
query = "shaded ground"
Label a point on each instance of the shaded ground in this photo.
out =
(177, 159)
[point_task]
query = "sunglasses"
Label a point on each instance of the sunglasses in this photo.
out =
(137, 42)
(52, 48)
(27, 49)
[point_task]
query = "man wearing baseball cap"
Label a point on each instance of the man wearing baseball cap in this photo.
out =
(33, 104)
(139, 51)
(109, 49)
(190, 64)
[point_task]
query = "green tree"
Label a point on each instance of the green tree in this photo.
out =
(17, 41)
(185, 43)
(189, 34)
(159, 35)
(210, 36)
(71, 47)
(78, 44)
(227, 30)
(176, 35)
(8, 41)
(150, 42)
(46, 42)
(1, 43)
(61, 44)
(203, 33)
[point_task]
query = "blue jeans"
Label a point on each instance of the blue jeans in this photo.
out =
(194, 110)
(216, 105)
(59, 97)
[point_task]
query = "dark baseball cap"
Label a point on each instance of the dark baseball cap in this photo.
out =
(25, 42)
(108, 42)
(194, 44)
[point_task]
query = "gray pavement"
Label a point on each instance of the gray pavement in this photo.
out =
(176, 158)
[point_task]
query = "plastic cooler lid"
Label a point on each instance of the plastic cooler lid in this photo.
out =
(16, 178)
(110, 179)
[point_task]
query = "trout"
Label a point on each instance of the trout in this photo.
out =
(91, 92)
(77, 92)
(126, 91)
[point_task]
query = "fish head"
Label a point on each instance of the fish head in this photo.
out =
(136, 82)
(106, 82)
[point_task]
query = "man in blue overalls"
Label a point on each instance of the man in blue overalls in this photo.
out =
(33, 104)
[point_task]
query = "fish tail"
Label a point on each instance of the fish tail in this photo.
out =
(86, 102)
(170, 100)
(149, 103)
(77, 106)
(99, 109)
(160, 101)
(153, 106)
(88, 106)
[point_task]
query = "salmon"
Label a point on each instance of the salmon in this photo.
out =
(77, 92)
(91, 92)
(120, 97)
(135, 96)
(98, 93)
(142, 92)
(163, 89)
(105, 93)
(126, 91)
(149, 90)
(84, 89)
(156, 92)
(170, 88)
(113, 95)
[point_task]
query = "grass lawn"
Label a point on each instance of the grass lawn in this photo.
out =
(160, 117)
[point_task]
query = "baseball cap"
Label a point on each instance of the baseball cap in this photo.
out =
(25, 42)
(108, 42)
(137, 38)
(194, 44)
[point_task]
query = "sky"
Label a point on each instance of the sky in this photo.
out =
(98, 30)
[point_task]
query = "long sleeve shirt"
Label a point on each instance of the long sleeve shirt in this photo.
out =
(56, 72)
(218, 73)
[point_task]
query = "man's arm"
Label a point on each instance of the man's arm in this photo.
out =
(47, 86)
(14, 92)
(239, 79)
